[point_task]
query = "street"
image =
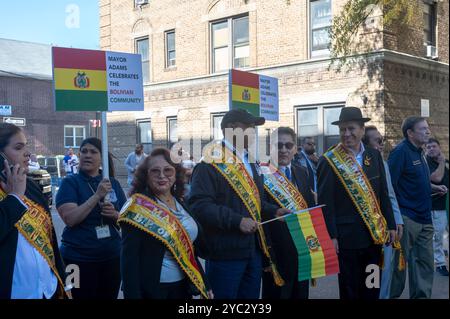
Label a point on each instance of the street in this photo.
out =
(327, 288)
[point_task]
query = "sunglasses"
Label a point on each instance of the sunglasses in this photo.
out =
(288, 145)
(167, 172)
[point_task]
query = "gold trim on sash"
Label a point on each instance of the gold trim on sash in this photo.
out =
(358, 187)
(281, 189)
(37, 228)
(150, 217)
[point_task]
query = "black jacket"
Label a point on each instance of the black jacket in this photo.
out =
(11, 210)
(283, 246)
(220, 210)
(141, 262)
(342, 219)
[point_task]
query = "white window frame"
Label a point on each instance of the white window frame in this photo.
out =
(230, 45)
(320, 121)
(138, 134)
(136, 40)
(213, 116)
(166, 45)
(73, 127)
(169, 120)
(313, 54)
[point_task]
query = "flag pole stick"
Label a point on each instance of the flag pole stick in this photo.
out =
(284, 216)
(105, 157)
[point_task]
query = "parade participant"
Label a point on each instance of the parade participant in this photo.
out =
(91, 237)
(33, 164)
(411, 181)
(158, 256)
(71, 162)
(373, 138)
(286, 185)
(227, 198)
(358, 213)
(306, 157)
(133, 160)
(31, 265)
(439, 175)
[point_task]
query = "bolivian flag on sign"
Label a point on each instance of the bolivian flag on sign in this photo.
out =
(80, 80)
(316, 254)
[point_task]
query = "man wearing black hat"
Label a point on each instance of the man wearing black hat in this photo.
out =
(358, 213)
(227, 198)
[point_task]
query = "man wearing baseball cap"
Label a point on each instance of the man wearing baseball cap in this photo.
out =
(358, 213)
(227, 198)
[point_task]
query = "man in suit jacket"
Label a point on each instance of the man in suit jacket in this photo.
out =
(358, 212)
(282, 153)
(234, 266)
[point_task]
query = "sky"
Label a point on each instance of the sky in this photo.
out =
(57, 22)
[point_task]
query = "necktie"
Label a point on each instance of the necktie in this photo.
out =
(287, 172)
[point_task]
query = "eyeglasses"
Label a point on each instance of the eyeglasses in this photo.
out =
(311, 144)
(167, 172)
(288, 145)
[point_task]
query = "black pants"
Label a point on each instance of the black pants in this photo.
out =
(353, 275)
(290, 290)
(98, 280)
(174, 290)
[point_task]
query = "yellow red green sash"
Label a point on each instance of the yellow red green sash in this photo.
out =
(231, 167)
(157, 221)
(281, 189)
(37, 228)
(360, 191)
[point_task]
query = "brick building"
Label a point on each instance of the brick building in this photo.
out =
(187, 48)
(26, 87)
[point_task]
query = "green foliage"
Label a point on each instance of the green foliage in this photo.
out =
(345, 40)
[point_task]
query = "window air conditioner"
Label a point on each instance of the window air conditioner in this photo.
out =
(140, 2)
(431, 52)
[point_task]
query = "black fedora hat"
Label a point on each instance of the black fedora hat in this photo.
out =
(351, 114)
(241, 115)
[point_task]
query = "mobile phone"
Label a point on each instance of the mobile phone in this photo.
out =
(2, 166)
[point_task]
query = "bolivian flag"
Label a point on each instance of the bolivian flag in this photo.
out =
(316, 254)
(245, 91)
(80, 80)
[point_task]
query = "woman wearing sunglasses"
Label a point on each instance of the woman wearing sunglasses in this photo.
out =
(158, 259)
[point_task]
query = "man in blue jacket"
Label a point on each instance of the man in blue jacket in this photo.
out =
(411, 182)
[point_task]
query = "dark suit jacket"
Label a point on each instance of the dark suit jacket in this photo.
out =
(219, 210)
(11, 210)
(283, 247)
(141, 262)
(342, 219)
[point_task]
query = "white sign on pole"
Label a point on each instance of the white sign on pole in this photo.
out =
(5, 110)
(425, 108)
(124, 79)
(268, 98)
(15, 120)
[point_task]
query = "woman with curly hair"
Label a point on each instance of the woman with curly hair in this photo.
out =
(158, 259)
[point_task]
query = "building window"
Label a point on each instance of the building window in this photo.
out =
(74, 135)
(320, 22)
(315, 121)
(172, 131)
(142, 48)
(230, 44)
(429, 22)
(170, 49)
(144, 134)
(216, 119)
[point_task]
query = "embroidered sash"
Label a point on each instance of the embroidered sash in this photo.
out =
(233, 170)
(281, 189)
(159, 222)
(360, 191)
(37, 228)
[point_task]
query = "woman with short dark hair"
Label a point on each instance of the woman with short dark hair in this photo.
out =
(91, 238)
(158, 257)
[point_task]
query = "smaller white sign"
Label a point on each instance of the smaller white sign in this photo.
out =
(425, 108)
(15, 120)
(268, 98)
(5, 110)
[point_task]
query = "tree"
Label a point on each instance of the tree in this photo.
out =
(355, 16)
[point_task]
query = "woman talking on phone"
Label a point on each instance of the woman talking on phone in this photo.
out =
(30, 262)
(91, 238)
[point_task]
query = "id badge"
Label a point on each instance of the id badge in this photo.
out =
(102, 232)
(112, 196)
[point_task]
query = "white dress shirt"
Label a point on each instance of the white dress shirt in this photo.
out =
(32, 277)
(242, 157)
